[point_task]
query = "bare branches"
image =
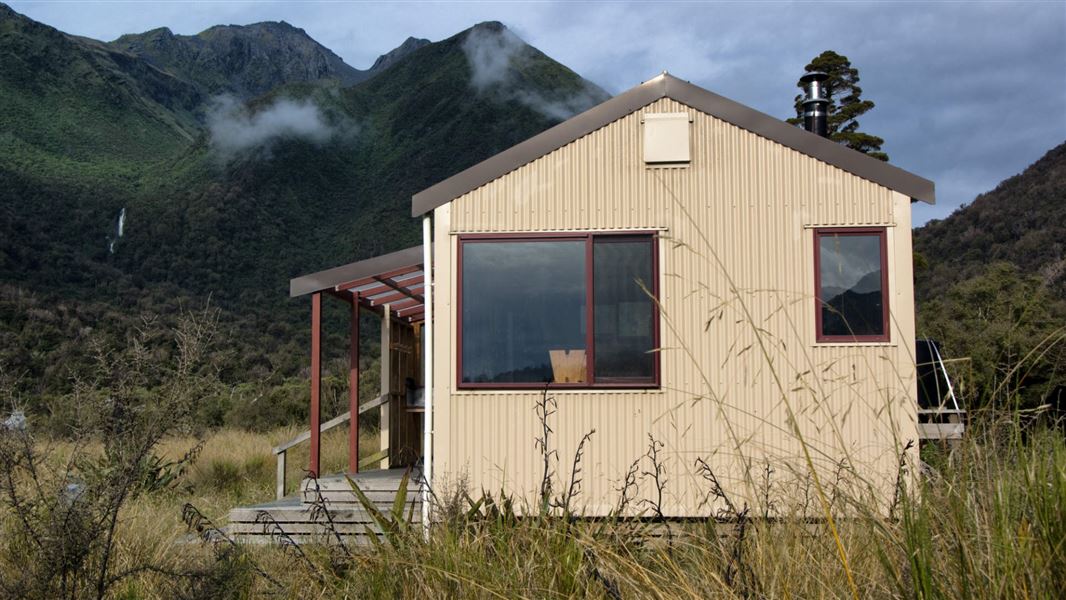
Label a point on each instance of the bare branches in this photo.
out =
(320, 513)
(222, 544)
(544, 409)
(68, 508)
(575, 475)
(628, 487)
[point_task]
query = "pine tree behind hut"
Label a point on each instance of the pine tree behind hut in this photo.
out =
(845, 104)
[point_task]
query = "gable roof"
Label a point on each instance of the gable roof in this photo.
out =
(668, 86)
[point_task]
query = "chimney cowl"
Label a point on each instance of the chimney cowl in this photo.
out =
(815, 103)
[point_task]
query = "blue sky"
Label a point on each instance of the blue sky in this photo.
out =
(967, 94)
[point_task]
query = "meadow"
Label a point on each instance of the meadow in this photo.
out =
(985, 519)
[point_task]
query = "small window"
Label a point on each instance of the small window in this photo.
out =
(851, 285)
(526, 305)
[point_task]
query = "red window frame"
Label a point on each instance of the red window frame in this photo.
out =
(882, 234)
(590, 346)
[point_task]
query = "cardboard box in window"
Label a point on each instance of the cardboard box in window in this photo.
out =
(568, 366)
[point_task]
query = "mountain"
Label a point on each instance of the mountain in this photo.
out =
(1022, 221)
(990, 282)
(390, 58)
(246, 61)
(314, 203)
(227, 201)
(78, 110)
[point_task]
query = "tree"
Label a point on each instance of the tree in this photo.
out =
(1010, 326)
(845, 104)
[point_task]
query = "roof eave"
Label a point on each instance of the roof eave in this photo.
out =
(801, 140)
(330, 278)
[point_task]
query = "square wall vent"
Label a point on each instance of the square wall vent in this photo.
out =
(666, 138)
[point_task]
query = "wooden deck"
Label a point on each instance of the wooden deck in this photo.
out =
(295, 515)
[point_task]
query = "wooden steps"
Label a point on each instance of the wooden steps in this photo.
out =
(295, 515)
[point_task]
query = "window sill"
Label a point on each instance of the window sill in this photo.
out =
(564, 391)
(888, 344)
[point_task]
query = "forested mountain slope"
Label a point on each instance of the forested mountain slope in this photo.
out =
(225, 199)
(1022, 221)
(991, 286)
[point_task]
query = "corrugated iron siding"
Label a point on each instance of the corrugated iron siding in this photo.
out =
(738, 345)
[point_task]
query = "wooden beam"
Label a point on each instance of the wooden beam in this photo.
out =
(386, 275)
(373, 291)
(373, 404)
(401, 305)
(383, 298)
(316, 380)
(353, 391)
(414, 316)
(403, 313)
(342, 294)
(279, 480)
(373, 458)
(399, 288)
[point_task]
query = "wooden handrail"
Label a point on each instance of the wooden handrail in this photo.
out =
(280, 450)
(330, 424)
(374, 458)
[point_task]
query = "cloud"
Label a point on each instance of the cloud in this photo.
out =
(235, 129)
(496, 55)
(491, 51)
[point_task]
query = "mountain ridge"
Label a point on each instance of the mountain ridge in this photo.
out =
(244, 60)
(1021, 221)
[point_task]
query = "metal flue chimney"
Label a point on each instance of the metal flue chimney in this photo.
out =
(816, 103)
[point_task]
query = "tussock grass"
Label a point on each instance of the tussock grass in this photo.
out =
(985, 519)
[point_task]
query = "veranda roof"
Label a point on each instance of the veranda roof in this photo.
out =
(396, 279)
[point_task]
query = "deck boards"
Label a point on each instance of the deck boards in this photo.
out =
(294, 514)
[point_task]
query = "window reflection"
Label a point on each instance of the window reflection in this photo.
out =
(851, 291)
(523, 306)
(623, 310)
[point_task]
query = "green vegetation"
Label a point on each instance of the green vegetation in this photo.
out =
(1000, 318)
(846, 104)
(990, 282)
(90, 129)
(1021, 221)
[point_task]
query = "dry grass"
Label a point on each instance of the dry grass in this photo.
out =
(233, 468)
(988, 520)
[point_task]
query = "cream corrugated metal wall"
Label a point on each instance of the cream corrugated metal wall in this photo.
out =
(738, 350)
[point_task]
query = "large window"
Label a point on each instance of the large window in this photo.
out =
(563, 310)
(851, 284)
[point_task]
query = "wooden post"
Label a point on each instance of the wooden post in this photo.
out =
(386, 379)
(353, 390)
(316, 379)
(280, 480)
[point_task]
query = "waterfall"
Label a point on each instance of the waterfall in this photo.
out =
(120, 229)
